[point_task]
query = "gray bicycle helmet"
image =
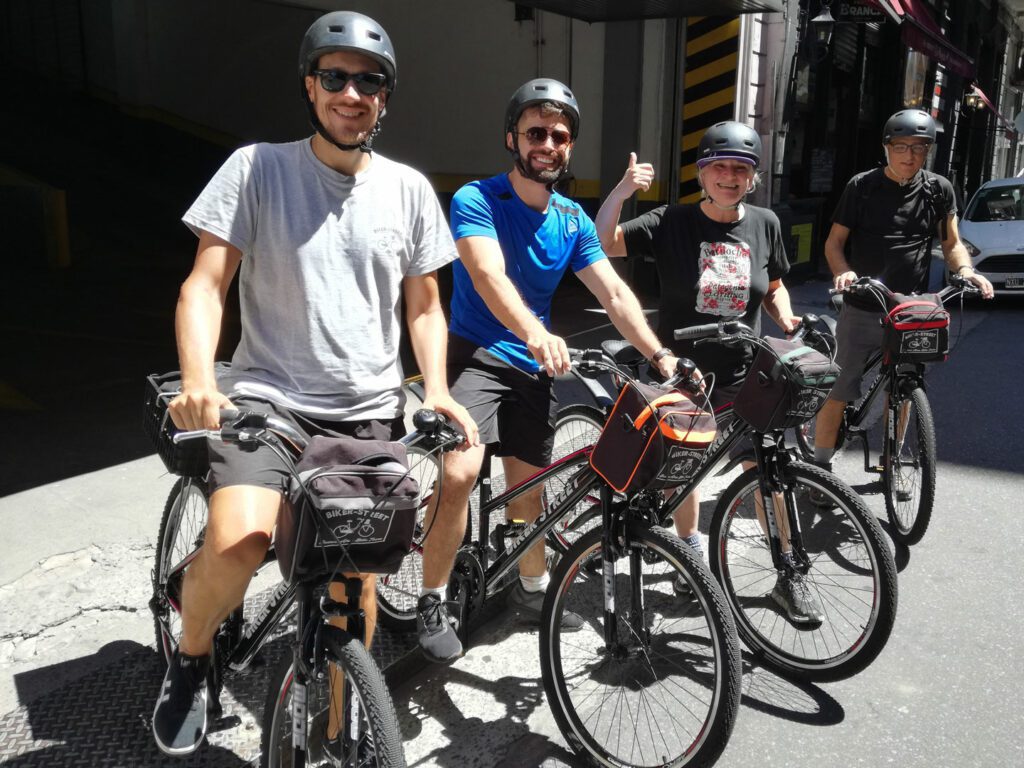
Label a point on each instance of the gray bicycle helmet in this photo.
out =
(536, 92)
(729, 140)
(909, 123)
(346, 31)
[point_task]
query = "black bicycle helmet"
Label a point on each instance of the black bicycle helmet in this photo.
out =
(729, 140)
(346, 31)
(536, 92)
(909, 123)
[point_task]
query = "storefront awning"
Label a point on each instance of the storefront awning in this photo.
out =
(1008, 125)
(625, 10)
(919, 31)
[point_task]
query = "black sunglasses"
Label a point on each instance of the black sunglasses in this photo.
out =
(335, 80)
(538, 135)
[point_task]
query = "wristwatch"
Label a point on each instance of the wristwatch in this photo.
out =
(660, 353)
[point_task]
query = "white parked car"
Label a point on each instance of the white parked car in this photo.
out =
(992, 228)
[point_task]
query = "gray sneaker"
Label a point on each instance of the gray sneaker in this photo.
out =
(530, 605)
(794, 597)
(438, 639)
(179, 718)
(681, 588)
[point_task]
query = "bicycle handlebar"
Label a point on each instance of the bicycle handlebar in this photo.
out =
(876, 289)
(243, 425)
(591, 362)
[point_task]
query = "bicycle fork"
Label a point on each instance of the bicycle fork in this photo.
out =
(777, 496)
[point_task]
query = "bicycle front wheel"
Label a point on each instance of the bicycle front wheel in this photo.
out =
(908, 461)
(665, 689)
(578, 426)
(850, 574)
(182, 531)
(397, 593)
(350, 719)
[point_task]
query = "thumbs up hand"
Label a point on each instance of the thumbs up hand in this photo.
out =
(637, 176)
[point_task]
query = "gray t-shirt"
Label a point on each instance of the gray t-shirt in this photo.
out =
(323, 257)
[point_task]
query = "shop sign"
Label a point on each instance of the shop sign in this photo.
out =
(861, 12)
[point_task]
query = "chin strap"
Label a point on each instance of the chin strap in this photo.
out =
(366, 145)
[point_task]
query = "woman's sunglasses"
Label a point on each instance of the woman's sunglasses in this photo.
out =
(335, 80)
(538, 135)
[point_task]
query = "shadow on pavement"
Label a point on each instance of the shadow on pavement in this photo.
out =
(102, 718)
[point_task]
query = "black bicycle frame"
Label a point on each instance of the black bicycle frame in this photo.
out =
(582, 482)
(894, 377)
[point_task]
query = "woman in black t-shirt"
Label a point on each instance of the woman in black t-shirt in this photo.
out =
(717, 259)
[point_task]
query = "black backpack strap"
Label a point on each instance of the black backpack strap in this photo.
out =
(937, 203)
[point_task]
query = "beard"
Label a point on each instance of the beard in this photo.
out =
(543, 176)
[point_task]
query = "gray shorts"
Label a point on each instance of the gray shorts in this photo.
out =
(514, 410)
(262, 467)
(858, 336)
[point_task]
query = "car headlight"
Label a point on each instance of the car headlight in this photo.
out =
(973, 250)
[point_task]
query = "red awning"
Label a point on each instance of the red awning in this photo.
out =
(919, 31)
(988, 103)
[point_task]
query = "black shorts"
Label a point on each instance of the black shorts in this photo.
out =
(514, 410)
(262, 467)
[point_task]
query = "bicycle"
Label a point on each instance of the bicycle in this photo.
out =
(576, 426)
(640, 651)
(908, 457)
(840, 553)
(299, 702)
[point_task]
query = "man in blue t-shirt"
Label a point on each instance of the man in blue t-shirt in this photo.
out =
(515, 238)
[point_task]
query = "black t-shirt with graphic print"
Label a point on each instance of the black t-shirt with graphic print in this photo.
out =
(892, 226)
(709, 270)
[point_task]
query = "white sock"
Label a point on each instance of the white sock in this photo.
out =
(534, 583)
(441, 592)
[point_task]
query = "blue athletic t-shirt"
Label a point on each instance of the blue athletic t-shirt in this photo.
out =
(538, 247)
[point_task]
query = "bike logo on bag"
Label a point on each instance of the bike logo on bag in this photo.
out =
(920, 342)
(358, 526)
(681, 463)
(808, 404)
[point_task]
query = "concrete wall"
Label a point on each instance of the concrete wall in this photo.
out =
(227, 69)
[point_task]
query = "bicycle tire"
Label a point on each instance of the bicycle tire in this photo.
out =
(379, 733)
(910, 471)
(852, 575)
(398, 593)
(182, 530)
(675, 686)
(577, 426)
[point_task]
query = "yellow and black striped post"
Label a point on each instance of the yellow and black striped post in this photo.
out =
(709, 89)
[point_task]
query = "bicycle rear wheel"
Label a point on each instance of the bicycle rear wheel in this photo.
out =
(667, 690)
(850, 573)
(578, 426)
(370, 735)
(182, 531)
(397, 593)
(908, 461)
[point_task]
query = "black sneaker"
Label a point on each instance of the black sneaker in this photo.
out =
(794, 597)
(179, 718)
(438, 639)
(531, 604)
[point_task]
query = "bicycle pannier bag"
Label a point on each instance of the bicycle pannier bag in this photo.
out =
(786, 385)
(355, 510)
(916, 330)
(653, 439)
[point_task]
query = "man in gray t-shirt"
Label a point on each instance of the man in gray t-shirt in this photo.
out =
(329, 237)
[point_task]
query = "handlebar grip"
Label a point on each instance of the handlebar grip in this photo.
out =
(696, 332)
(228, 415)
